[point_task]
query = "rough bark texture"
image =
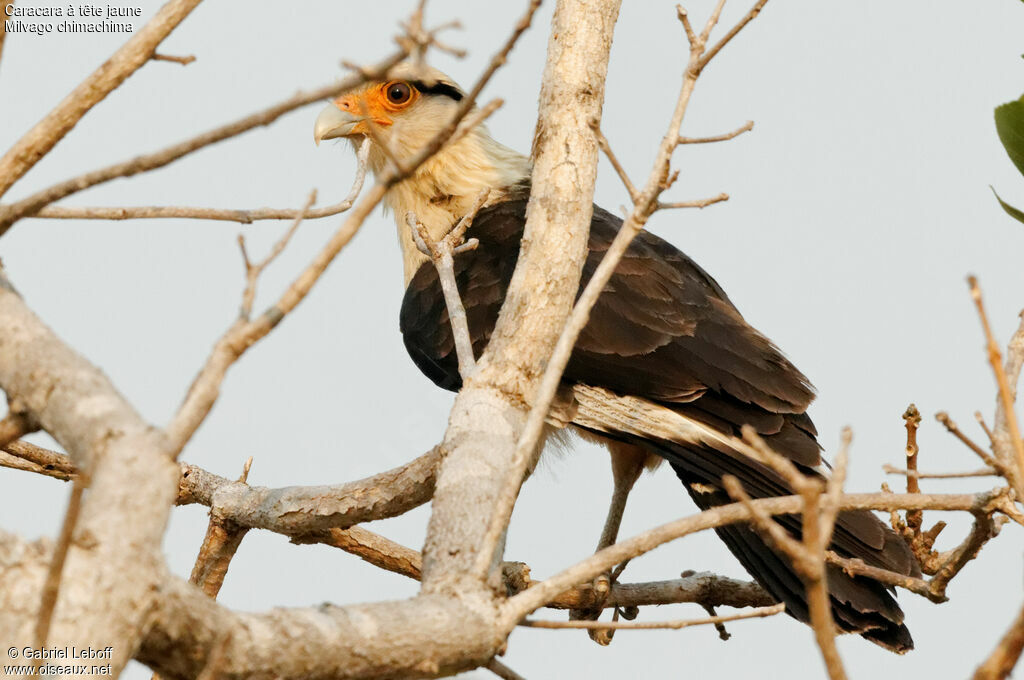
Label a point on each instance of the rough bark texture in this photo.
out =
(489, 414)
(565, 154)
(133, 484)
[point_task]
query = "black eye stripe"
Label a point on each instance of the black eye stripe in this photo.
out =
(439, 88)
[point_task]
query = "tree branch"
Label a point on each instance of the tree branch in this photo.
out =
(10, 213)
(1011, 452)
(38, 141)
(758, 613)
(746, 127)
(122, 519)
(244, 333)
(442, 254)
(1004, 657)
(183, 60)
(177, 212)
(301, 510)
(538, 595)
(557, 357)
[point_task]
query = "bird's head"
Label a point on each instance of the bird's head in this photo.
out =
(407, 110)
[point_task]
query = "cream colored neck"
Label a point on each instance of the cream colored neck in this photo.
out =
(445, 188)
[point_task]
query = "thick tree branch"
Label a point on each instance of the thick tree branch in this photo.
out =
(414, 483)
(556, 354)
(422, 637)
(546, 278)
(220, 544)
(122, 519)
(296, 511)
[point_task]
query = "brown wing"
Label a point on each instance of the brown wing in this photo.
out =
(664, 330)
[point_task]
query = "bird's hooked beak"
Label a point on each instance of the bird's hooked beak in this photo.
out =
(333, 122)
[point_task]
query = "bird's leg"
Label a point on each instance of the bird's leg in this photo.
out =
(628, 462)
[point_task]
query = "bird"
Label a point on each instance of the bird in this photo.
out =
(662, 331)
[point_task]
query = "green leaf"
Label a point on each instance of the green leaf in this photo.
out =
(1010, 210)
(1010, 126)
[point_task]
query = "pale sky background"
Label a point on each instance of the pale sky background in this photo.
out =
(859, 203)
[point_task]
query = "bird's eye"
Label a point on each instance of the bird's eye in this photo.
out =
(398, 93)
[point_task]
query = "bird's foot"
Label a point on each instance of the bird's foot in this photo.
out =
(601, 587)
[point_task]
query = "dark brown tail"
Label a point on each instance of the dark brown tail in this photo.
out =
(859, 604)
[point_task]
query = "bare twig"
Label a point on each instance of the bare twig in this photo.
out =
(442, 254)
(807, 556)
(47, 461)
(202, 487)
(984, 426)
(857, 567)
(983, 530)
(184, 61)
(747, 18)
(253, 271)
(14, 426)
(13, 462)
(156, 212)
(952, 428)
(26, 207)
(51, 587)
(698, 203)
(418, 39)
(38, 141)
(242, 334)
(226, 215)
(746, 127)
(602, 142)
(684, 19)
(983, 472)
(911, 419)
(1004, 657)
(545, 591)
(502, 671)
(771, 532)
(757, 613)
(1006, 417)
(709, 25)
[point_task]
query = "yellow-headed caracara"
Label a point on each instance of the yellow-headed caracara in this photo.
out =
(663, 331)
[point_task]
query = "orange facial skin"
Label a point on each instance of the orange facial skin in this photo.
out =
(378, 103)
